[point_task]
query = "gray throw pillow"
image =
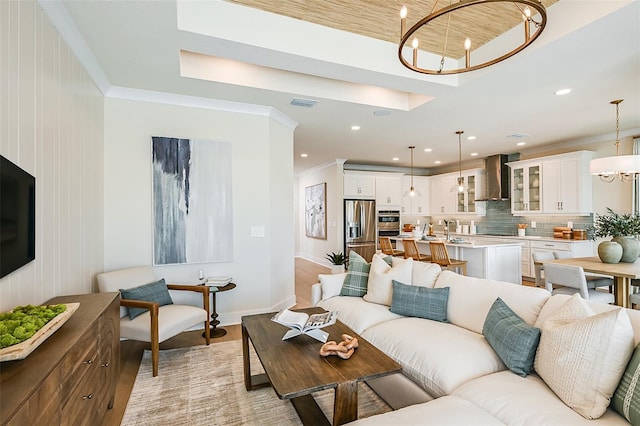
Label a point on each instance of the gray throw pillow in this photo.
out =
(418, 301)
(152, 292)
(626, 399)
(355, 283)
(511, 337)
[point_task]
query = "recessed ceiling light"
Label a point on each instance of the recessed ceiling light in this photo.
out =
(471, 138)
(438, 161)
(474, 154)
(562, 92)
(355, 127)
(518, 136)
(381, 112)
(521, 143)
(428, 150)
(305, 103)
(396, 159)
(304, 155)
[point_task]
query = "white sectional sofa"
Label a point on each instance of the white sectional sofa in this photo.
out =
(456, 364)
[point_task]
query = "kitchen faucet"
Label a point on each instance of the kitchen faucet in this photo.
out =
(446, 229)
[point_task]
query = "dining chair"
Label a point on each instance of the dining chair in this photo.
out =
(540, 256)
(157, 323)
(593, 280)
(570, 279)
(440, 255)
(387, 247)
(411, 250)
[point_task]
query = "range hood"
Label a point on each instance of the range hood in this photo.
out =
(496, 177)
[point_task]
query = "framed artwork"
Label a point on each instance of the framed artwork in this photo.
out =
(192, 208)
(315, 206)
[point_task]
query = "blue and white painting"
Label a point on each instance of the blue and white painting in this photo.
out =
(192, 208)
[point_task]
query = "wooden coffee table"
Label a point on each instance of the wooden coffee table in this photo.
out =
(295, 369)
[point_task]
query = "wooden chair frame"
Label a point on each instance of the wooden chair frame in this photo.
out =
(411, 251)
(387, 247)
(440, 255)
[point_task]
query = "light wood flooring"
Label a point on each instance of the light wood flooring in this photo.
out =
(306, 274)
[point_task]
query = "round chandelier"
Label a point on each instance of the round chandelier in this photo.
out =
(462, 20)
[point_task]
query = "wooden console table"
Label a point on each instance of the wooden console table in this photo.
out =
(70, 379)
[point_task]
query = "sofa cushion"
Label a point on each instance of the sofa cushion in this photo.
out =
(437, 356)
(355, 283)
(152, 292)
(422, 302)
(425, 274)
(445, 411)
(583, 355)
(331, 284)
(381, 275)
(358, 314)
(626, 399)
(514, 340)
(471, 298)
(516, 400)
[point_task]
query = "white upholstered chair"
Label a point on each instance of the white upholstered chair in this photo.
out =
(593, 280)
(539, 257)
(158, 323)
(570, 280)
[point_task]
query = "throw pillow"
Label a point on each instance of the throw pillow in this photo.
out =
(152, 292)
(582, 356)
(331, 285)
(514, 340)
(421, 302)
(379, 288)
(626, 399)
(355, 283)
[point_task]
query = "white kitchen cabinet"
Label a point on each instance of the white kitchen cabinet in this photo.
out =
(526, 182)
(359, 185)
(416, 205)
(530, 245)
(566, 184)
(473, 183)
(388, 191)
(443, 201)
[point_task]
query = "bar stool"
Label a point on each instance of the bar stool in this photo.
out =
(411, 250)
(387, 247)
(440, 255)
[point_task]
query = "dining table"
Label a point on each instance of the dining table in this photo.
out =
(622, 273)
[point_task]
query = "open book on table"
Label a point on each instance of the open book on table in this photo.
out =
(301, 323)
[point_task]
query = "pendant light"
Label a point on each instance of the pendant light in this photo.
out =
(412, 192)
(460, 187)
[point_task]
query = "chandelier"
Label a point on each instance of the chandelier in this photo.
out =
(412, 192)
(465, 21)
(625, 167)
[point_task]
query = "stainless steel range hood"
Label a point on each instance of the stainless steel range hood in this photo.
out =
(497, 177)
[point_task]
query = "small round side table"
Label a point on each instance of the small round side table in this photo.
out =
(214, 331)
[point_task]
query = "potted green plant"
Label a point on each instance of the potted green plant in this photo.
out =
(623, 228)
(337, 261)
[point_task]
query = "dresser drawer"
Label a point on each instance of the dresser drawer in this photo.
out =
(79, 363)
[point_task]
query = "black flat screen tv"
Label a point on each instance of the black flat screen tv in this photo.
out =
(17, 217)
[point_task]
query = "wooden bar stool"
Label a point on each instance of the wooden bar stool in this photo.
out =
(387, 247)
(411, 250)
(440, 255)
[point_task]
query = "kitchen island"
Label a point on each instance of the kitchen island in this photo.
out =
(501, 261)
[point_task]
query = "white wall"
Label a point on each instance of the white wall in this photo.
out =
(312, 248)
(262, 175)
(51, 125)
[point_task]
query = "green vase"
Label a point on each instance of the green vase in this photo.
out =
(609, 252)
(630, 248)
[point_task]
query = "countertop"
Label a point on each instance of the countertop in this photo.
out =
(470, 237)
(468, 242)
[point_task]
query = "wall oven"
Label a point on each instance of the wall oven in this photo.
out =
(388, 223)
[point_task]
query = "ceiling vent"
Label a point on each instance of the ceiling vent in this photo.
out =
(305, 103)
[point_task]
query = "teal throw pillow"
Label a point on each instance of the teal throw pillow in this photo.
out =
(511, 337)
(152, 292)
(626, 399)
(355, 282)
(418, 301)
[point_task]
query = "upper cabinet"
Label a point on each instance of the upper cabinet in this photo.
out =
(558, 184)
(388, 191)
(359, 185)
(566, 184)
(446, 199)
(418, 205)
(526, 187)
(472, 183)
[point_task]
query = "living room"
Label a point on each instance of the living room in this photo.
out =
(86, 137)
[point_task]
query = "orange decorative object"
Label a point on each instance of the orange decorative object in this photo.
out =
(344, 349)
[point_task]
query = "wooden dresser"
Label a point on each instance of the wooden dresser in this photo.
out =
(70, 379)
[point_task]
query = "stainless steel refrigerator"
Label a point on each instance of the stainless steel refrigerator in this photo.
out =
(360, 228)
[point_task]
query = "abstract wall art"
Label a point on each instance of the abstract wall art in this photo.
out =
(192, 208)
(315, 202)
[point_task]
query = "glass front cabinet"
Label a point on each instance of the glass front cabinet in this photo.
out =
(526, 188)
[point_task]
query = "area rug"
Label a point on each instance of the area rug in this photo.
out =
(204, 385)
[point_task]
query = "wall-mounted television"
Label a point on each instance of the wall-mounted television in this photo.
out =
(17, 217)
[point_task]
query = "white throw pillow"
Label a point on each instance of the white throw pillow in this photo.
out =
(425, 274)
(379, 286)
(582, 356)
(331, 284)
